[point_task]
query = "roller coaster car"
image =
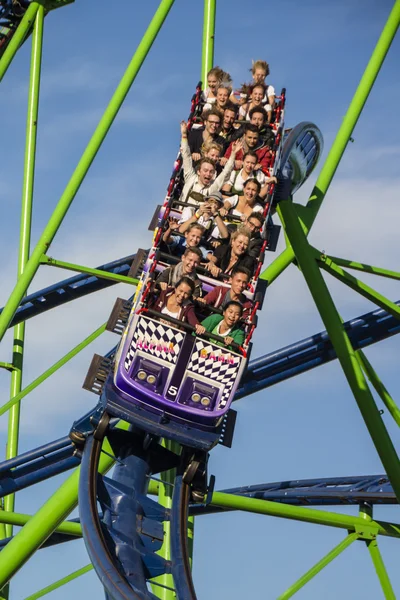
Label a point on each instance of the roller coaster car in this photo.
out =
(173, 384)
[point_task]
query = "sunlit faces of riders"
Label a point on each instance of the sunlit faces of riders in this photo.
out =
(212, 124)
(213, 153)
(250, 192)
(240, 244)
(212, 82)
(190, 262)
(222, 96)
(259, 75)
(257, 119)
(232, 315)
(182, 293)
(229, 119)
(257, 95)
(193, 237)
(239, 283)
(249, 164)
(206, 173)
(251, 138)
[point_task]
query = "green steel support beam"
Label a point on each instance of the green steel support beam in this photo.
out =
(338, 147)
(52, 262)
(25, 237)
(207, 57)
(19, 36)
(358, 286)
(305, 515)
(379, 386)
(341, 343)
(60, 363)
(163, 585)
(21, 519)
(381, 570)
(7, 366)
(60, 583)
(83, 166)
(46, 520)
(351, 264)
(352, 537)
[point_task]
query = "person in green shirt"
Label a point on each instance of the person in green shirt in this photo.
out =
(225, 325)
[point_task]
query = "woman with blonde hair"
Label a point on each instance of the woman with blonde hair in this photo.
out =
(215, 77)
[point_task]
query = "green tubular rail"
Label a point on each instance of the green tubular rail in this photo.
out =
(310, 211)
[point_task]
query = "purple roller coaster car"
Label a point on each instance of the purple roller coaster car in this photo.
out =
(173, 372)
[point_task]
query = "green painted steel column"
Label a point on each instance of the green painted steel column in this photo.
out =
(165, 492)
(44, 522)
(18, 37)
(342, 138)
(381, 570)
(352, 537)
(341, 343)
(207, 57)
(379, 386)
(25, 237)
(84, 165)
(60, 583)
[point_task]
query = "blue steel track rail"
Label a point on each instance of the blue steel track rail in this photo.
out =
(122, 542)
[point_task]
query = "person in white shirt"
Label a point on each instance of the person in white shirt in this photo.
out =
(243, 206)
(202, 181)
(238, 178)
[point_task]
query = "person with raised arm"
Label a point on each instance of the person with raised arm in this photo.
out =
(203, 180)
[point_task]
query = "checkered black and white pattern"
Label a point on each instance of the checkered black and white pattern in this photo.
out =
(153, 332)
(213, 368)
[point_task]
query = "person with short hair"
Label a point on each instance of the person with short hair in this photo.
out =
(203, 180)
(249, 142)
(255, 223)
(190, 260)
(177, 244)
(227, 257)
(228, 131)
(225, 325)
(176, 302)
(221, 295)
(208, 132)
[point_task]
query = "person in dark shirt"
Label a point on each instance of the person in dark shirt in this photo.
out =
(221, 295)
(197, 137)
(229, 256)
(259, 118)
(254, 223)
(186, 268)
(228, 131)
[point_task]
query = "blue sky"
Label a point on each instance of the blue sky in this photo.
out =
(306, 427)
